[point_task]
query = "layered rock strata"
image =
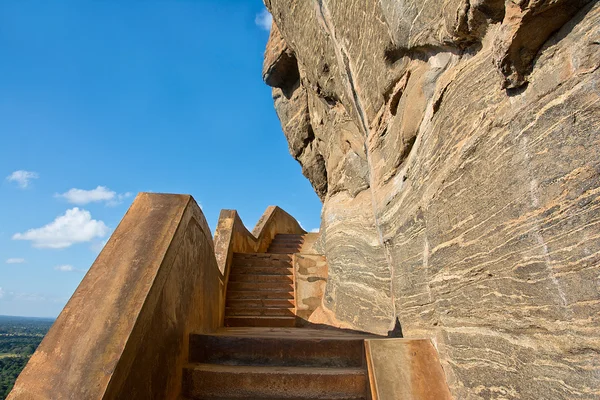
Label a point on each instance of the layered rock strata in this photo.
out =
(456, 148)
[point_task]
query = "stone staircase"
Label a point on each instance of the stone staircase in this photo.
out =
(260, 291)
(276, 363)
(286, 244)
(260, 354)
(261, 286)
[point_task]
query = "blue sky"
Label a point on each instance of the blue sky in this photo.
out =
(100, 100)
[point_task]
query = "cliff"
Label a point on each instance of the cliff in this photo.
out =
(455, 145)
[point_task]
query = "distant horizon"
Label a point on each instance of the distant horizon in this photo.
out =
(23, 317)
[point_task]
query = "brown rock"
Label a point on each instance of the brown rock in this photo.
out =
(526, 27)
(280, 68)
(468, 211)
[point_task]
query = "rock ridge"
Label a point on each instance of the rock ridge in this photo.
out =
(454, 146)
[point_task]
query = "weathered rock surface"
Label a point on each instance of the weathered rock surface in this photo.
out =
(456, 147)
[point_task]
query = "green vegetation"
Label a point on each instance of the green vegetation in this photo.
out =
(19, 337)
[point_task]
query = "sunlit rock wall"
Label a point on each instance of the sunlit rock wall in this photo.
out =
(456, 147)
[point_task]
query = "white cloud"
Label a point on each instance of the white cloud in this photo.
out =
(22, 178)
(1, 293)
(68, 268)
(15, 261)
(75, 226)
(81, 197)
(101, 193)
(65, 268)
(316, 230)
(264, 20)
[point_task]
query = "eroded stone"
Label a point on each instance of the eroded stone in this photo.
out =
(468, 211)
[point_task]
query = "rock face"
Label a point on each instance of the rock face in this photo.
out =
(456, 147)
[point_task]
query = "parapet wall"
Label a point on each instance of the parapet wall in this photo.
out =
(126, 327)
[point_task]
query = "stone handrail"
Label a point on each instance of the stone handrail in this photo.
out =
(126, 327)
(231, 236)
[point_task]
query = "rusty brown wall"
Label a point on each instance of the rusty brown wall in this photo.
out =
(124, 332)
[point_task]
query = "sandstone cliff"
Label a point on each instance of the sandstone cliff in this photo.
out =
(456, 147)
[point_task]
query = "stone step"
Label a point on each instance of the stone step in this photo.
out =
(259, 311)
(291, 249)
(268, 303)
(287, 240)
(260, 321)
(288, 236)
(260, 295)
(260, 286)
(301, 333)
(286, 279)
(261, 256)
(262, 262)
(286, 243)
(278, 351)
(262, 398)
(262, 270)
(201, 381)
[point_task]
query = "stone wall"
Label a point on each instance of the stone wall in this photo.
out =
(455, 145)
(124, 332)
